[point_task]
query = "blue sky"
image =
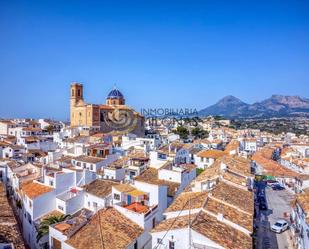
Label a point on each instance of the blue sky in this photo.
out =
(175, 54)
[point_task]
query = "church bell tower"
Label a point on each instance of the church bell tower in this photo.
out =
(76, 94)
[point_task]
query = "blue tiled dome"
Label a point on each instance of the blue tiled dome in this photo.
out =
(115, 94)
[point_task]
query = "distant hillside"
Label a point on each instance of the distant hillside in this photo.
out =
(275, 106)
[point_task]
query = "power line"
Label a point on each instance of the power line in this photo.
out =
(170, 227)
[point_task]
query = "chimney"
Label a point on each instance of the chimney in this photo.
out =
(220, 217)
(223, 166)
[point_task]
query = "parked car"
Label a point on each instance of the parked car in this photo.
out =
(280, 226)
(277, 187)
(261, 199)
(261, 193)
(263, 206)
(272, 182)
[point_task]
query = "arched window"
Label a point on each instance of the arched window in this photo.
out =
(78, 92)
(72, 92)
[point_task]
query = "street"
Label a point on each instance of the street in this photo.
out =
(278, 203)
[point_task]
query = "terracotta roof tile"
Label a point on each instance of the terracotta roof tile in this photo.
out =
(9, 230)
(207, 225)
(211, 154)
(263, 158)
(187, 200)
(89, 159)
(230, 213)
(107, 229)
(221, 233)
(151, 176)
(235, 196)
(34, 189)
(124, 187)
(100, 188)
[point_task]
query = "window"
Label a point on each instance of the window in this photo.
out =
(78, 92)
(102, 117)
(135, 245)
(72, 92)
(88, 203)
(30, 204)
(95, 205)
(171, 245)
(159, 241)
(29, 218)
(60, 207)
(117, 197)
(51, 183)
(91, 166)
(84, 165)
(153, 222)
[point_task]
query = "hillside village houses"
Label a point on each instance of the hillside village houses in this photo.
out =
(300, 219)
(134, 189)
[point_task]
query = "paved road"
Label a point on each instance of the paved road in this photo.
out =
(278, 203)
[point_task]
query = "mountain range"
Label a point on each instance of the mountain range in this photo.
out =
(275, 106)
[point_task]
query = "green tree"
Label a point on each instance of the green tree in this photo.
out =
(44, 225)
(218, 117)
(199, 133)
(198, 171)
(182, 131)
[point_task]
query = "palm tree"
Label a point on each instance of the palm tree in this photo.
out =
(44, 225)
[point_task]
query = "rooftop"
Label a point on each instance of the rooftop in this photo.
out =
(239, 198)
(242, 219)
(68, 194)
(137, 207)
(303, 200)
(210, 173)
(88, 159)
(100, 188)
(263, 157)
(150, 175)
(221, 233)
(70, 226)
(209, 226)
(115, 93)
(34, 189)
(9, 231)
(124, 188)
(187, 200)
(211, 154)
(107, 229)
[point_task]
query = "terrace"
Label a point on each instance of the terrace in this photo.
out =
(141, 213)
(70, 201)
(71, 226)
